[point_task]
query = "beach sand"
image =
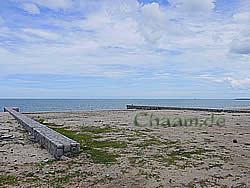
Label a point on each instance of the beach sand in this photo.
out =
(116, 153)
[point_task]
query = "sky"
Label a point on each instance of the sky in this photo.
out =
(168, 49)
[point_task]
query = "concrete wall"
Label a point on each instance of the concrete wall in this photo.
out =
(56, 143)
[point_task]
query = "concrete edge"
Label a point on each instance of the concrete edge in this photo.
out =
(57, 144)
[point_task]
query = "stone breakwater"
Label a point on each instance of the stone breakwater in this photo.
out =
(182, 108)
(57, 144)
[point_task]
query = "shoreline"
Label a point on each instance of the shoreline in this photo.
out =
(36, 105)
(247, 110)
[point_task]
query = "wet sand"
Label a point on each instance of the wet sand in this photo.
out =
(146, 156)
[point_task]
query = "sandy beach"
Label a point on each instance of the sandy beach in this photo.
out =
(116, 153)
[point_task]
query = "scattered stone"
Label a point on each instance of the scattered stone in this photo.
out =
(88, 155)
(51, 172)
(64, 158)
(235, 141)
(6, 137)
(90, 165)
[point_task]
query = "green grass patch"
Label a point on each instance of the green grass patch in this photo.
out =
(97, 136)
(41, 165)
(174, 156)
(8, 180)
(31, 179)
(31, 174)
(199, 151)
(132, 139)
(97, 130)
(83, 139)
(66, 178)
(61, 171)
(102, 157)
(85, 136)
(91, 146)
(210, 165)
(133, 161)
(86, 140)
(40, 120)
(107, 143)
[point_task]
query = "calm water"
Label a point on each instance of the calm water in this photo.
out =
(36, 105)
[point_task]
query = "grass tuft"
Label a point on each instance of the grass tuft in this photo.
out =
(91, 146)
(8, 180)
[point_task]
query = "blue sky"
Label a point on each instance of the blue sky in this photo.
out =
(125, 49)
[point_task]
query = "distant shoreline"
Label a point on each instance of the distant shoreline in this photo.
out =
(38, 105)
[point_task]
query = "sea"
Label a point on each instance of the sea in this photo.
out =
(44, 105)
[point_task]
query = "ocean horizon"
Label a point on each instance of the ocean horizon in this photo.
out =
(41, 105)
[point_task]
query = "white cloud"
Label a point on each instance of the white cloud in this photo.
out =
(239, 84)
(114, 25)
(55, 4)
(161, 75)
(128, 25)
(1, 20)
(152, 23)
(194, 6)
(241, 41)
(120, 8)
(213, 78)
(41, 33)
(30, 8)
(243, 17)
(240, 47)
(127, 33)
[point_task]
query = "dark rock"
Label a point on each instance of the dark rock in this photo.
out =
(235, 141)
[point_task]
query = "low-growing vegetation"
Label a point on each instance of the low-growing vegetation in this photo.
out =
(111, 151)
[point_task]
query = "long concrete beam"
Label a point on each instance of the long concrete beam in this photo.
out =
(57, 144)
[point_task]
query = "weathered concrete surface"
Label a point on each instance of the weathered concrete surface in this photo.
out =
(56, 143)
(13, 108)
